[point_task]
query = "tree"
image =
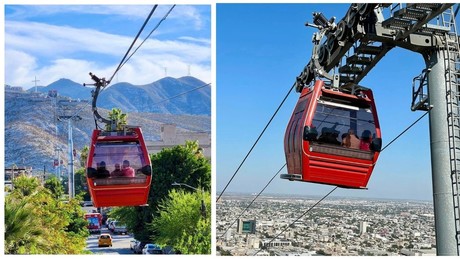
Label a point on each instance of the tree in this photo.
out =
(54, 185)
(21, 228)
(38, 223)
(181, 223)
(84, 156)
(25, 185)
(181, 164)
(81, 186)
(119, 117)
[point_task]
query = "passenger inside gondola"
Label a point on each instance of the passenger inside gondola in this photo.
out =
(127, 170)
(329, 136)
(117, 171)
(102, 171)
(366, 139)
(351, 140)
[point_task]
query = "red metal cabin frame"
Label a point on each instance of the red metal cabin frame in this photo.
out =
(127, 186)
(321, 111)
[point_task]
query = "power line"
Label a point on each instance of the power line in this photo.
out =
(175, 96)
(253, 200)
(255, 143)
(148, 36)
(392, 141)
(314, 205)
(132, 44)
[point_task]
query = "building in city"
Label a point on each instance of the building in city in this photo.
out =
(246, 226)
(170, 138)
(363, 227)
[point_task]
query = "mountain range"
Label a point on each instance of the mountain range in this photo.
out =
(185, 95)
(33, 130)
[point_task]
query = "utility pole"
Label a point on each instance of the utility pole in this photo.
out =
(35, 81)
(70, 153)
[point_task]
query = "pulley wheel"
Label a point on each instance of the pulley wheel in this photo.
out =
(352, 19)
(323, 55)
(342, 31)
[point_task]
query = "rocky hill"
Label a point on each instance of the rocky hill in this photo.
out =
(33, 131)
(185, 95)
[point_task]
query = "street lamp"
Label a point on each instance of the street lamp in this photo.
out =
(203, 206)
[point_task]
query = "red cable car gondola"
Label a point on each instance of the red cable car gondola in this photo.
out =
(118, 168)
(333, 137)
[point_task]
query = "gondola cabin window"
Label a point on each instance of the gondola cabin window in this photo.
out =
(124, 162)
(333, 122)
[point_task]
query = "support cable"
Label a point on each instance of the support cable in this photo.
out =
(404, 131)
(255, 143)
(148, 36)
(269, 182)
(314, 205)
(186, 92)
(132, 44)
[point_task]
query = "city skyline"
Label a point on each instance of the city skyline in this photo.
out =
(337, 227)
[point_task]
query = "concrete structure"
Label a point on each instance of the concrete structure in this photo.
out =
(170, 138)
(363, 227)
(276, 243)
(246, 226)
(15, 171)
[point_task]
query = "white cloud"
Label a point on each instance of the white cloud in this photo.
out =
(51, 52)
(19, 65)
(52, 40)
(185, 13)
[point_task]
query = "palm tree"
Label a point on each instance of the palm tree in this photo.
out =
(21, 227)
(120, 118)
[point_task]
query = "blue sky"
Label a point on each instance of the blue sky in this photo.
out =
(261, 48)
(69, 41)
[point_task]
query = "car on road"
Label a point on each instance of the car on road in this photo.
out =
(120, 229)
(139, 246)
(169, 250)
(87, 204)
(111, 225)
(133, 243)
(104, 240)
(152, 249)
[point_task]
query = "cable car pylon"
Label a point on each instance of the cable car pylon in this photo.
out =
(344, 52)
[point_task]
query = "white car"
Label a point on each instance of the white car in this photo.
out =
(133, 243)
(151, 249)
(87, 204)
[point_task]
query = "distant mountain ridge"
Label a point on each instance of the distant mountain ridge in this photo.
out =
(184, 95)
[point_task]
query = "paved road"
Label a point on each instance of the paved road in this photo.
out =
(120, 244)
